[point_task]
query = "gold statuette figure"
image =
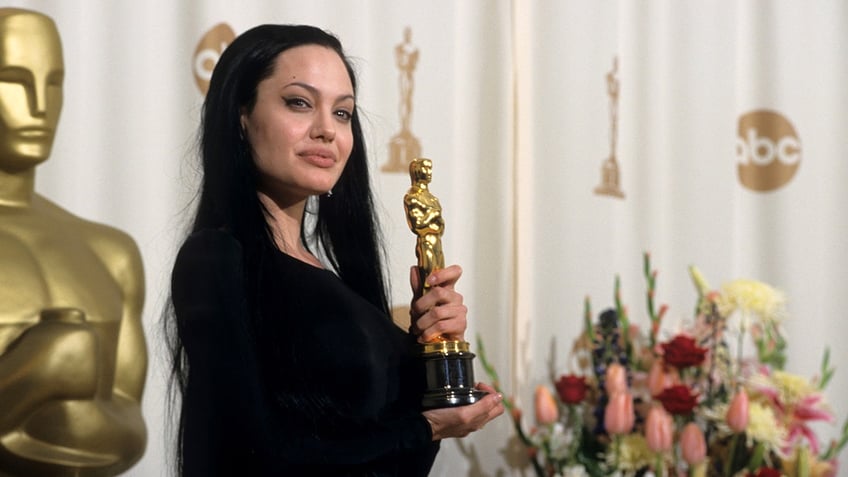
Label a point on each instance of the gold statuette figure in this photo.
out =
(424, 217)
(72, 352)
(447, 364)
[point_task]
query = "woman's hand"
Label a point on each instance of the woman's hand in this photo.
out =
(463, 420)
(440, 311)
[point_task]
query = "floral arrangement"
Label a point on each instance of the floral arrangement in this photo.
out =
(693, 404)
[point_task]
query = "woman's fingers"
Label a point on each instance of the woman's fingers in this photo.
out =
(463, 420)
(415, 282)
(485, 387)
(440, 311)
(449, 321)
(445, 277)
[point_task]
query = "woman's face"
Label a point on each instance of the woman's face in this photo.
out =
(300, 128)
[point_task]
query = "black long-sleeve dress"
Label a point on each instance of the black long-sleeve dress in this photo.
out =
(314, 381)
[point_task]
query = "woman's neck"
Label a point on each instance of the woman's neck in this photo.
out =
(286, 222)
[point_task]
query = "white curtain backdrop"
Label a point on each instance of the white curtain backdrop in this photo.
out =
(512, 102)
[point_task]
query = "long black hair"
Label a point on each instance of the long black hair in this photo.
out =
(346, 226)
(345, 230)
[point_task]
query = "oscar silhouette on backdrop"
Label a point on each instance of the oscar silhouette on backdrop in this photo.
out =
(610, 174)
(73, 358)
(404, 146)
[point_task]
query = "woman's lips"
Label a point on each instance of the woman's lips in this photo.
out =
(318, 157)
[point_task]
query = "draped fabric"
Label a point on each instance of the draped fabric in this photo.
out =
(568, 137)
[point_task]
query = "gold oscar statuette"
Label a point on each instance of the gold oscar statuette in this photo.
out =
(73, 357)
(448, 364)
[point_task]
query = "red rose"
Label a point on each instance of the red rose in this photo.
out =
(678, 399)
(765, 472)
(682, 352)
(571, 388)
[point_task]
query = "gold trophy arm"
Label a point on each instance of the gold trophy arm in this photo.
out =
(122, 258)
(427, 225)
(56, 371)
(54, 359)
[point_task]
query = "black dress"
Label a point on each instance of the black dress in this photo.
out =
(314, 381)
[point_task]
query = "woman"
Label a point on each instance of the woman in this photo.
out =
(287, 364)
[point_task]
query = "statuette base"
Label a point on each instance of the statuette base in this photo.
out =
(449, 375)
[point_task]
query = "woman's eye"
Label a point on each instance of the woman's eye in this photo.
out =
(298, 103)
(344, 115)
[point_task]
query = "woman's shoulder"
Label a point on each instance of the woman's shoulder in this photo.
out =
(208, 251)
(210, 240)
(209, 244)
(208, 272)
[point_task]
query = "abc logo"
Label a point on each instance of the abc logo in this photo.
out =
(768, 151)
(208, 51)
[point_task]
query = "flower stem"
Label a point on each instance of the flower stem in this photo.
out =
(509, 405)
(576, 425)
(739, 345)
(757, 457)
(659, 465)
(616, 450)
(728, 463)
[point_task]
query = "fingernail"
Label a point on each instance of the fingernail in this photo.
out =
(499, 397)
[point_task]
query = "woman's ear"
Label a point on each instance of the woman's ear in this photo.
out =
(243, 122)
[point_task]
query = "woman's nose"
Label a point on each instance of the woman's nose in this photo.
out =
(323, 128)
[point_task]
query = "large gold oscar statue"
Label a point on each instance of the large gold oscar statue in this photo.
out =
(73, 358)
(447, 363)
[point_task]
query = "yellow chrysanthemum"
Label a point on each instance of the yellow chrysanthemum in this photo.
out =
(752, 298)
(792, 388)
(633, 453)
(764, 427)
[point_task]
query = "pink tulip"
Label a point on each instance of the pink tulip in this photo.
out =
(618, 415)
(615, 379)
(546, 406)
(737, 413)
(661, 376)
(659, 429)
(693, 446)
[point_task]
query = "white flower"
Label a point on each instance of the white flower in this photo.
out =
(556, 438)
(560, 441)
(574, 471)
